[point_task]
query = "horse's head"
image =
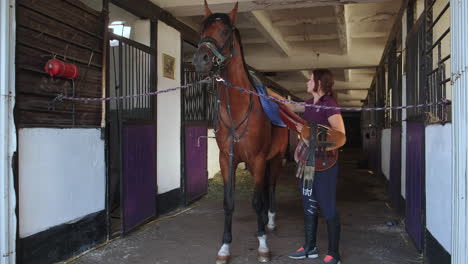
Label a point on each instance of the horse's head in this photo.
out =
(217, 39)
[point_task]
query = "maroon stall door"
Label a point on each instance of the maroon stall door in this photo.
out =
(415, 182)
(139, 174)
(196, 159)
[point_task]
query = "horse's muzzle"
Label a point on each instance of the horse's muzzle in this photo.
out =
(203, 61)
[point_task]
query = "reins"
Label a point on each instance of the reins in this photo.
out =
(220, 62)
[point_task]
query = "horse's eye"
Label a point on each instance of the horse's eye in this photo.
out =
(225, 32)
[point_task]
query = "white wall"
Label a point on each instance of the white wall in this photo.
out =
(141, 31)
(118, 14)
(386, 150)
(439, 183)
(169, 111)
(213, 155)
(7, 132)
(61, 177)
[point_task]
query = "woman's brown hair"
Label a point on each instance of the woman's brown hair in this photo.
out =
(326, 79)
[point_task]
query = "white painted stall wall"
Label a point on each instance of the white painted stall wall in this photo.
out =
(62, 176)
(213, 155)
(7, 132)
(403, 112)
(141, 31)
(118, 14)
(439, 183)
(386, 142)
(459, 62)
(169, 111)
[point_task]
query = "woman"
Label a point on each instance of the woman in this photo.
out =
(323, 193)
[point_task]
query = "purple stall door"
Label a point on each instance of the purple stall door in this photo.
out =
(415, 182)
(139, 174)
(196, 159)
(395, 167)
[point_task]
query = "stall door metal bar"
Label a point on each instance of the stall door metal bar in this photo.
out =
(197, 117)
(437, 58)
(137, 128)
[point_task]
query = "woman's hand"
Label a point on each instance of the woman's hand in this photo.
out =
(299, 127)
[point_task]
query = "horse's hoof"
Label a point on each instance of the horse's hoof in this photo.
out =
(222, 260)
(271, 228)
(263, 257)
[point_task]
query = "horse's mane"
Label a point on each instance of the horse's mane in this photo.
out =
(224, 18)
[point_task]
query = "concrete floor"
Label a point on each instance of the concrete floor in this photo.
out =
(194, 236)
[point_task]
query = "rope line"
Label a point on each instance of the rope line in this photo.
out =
(207, 80)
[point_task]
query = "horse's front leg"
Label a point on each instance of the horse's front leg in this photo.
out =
(259, 205)
(271, 175)
(224, 253)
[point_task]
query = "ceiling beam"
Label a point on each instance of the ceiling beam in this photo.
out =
(342, 37)
(347, 75)
(346, 97)
(147, 9)
(269, 32)
(310, 37)
(304, 21)
(380, 17)
(298, 64)
(259, 40)
(369, 34)
(364, 55)
(339, 11)
(192, 8)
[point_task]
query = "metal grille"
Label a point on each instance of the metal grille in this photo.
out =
(437, 54)
(381, 92)
(198, 101)
(415, 68)
(394, 87)
(134, 74)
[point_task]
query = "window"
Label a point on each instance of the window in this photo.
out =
(119, 28)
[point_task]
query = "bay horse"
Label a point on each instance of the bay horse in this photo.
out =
(244, 132)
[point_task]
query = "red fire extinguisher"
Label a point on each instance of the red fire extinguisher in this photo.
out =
(59, 68)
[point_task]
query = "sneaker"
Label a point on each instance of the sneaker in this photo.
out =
(301, 254)
(330, 260)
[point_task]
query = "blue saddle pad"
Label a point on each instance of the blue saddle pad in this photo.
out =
(270, 108)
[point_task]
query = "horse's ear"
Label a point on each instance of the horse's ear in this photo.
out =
(207, 10)
(233, 13)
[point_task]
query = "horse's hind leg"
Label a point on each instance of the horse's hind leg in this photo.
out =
(259, 205)
(272, 172)
(224, 252)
